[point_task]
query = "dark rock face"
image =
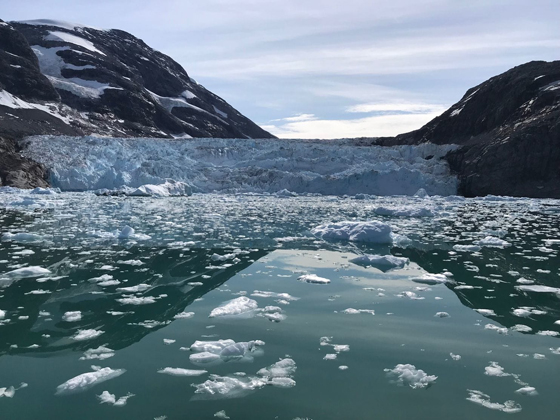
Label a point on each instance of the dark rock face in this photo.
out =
(509, 132)
(57, 78)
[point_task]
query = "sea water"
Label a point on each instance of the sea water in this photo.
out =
(209, 306)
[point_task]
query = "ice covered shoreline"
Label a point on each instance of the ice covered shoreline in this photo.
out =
(335, 167)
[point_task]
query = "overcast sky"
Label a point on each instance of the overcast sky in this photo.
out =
(326, 68)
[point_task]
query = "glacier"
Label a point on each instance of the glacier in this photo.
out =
(328, 167)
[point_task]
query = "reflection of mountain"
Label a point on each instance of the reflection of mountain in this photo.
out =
(494, 288)
(166, 271)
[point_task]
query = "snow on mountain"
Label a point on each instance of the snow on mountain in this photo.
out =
(235, 165)
(104, 82)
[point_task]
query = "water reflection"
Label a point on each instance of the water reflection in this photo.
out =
(36, 319)
(493, 275)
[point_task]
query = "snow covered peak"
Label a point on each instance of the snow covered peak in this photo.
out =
(57, 23)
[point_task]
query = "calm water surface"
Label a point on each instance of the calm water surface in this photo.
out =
(193, 254)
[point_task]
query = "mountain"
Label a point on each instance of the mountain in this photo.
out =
(509, 132)
(67, 79)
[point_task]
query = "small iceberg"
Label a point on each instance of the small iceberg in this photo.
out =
(382, 262)
(369, 232)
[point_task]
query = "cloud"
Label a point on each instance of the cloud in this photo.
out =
(373, 126)
(406, 108)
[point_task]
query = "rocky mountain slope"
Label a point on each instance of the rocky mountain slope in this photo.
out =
(509, 130)
(60, 78)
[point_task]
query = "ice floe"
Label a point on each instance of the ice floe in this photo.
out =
(87, 380)
(352, 311)
(209, 353)
(100, 353)
(369, 232)
(241, 307)
(432, 279)
(407, 374)
(72, 316)
(9, 392)
(383, 262)
(482, 399)
(313, 278)
(181, 372)
(493, 242)
(107, 398)
(90, 334)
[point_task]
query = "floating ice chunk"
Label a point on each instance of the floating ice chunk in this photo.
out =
(86, 334)
(195, 283)
(495, 370)
(314, 279)
(129, 233)
(341, 347)
(482, 399)
(493, 242)
(421, 193)
(352, 311)
(221, 415)
(383, 262)
(493, 327)
(486, 312)
(537, 288)
(370, 232)
(282, 382)
(9, 392)
(87, 380)
(134, 300)
(184, 315)
(442, 315)
(72, 316)
(330, 356)
(466, 248)
(555, 351)
(527, 390)
(107, 398)
(284, 296)
(343, 367)
(219, 387)
(549, 333)
(168, 341)
(215, 352)
(100, 353)
(521, 328)
(26, 272)
(523, 280)
(45, 191)
(142, 287)
(182, 372)
(284, 368)
(429, 278)
(406, 374)
(275, 316)
(2, 314)
(240, 307)
(205, 358)
(455, 356)
(410, 295)
(211, 346)
(167, 189)
(23, 237)
(539, 356)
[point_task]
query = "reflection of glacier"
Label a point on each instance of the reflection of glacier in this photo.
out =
(170, 271)
(236, 165)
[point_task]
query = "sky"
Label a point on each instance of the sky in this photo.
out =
(326, 68)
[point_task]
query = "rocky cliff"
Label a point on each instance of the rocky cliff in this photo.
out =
(509, 130)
